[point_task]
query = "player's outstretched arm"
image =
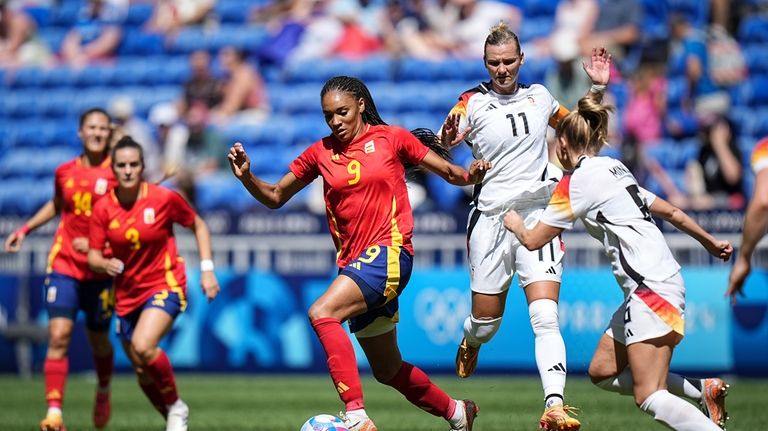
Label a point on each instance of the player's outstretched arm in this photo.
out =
(534, 238)
(270, 195)
(45, 214)
(719, 248)
(599, 71)
(208, 279)
(755, 227)
(455, 174)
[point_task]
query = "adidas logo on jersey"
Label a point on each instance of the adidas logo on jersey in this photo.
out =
(490, 107)
(551, 270)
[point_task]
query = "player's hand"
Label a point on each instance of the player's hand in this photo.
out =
(720, 249)
(80, 244)
(114, 267)
(14, 241)
(513, 222)
(210, 284)
(239, 161)
(450, 135)
(599, 67)
(741, 269)
(477, 170)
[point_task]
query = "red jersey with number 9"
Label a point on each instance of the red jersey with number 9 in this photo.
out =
(366, 197)
(78, 188)
(141, 235)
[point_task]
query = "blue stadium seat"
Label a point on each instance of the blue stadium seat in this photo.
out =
(308, 128)
(757, 61)
(414, 69)
(26, 77)
(299, 98)
(445, 196)
(95, 75)
(59, 76)
(41, 15)
(22, 196)
(66, 14)
(137, 42)
(753, 29)
(22, 104)
(536, 27)
(538, 8)
(138, 14)
(52, 36)
(753, 92)
(187, 40)
(677, 91)
(57, 103)
(695, 10)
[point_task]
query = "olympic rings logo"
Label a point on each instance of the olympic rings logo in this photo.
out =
(441, 314)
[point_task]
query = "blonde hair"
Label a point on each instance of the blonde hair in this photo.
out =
(586, 128)
(501, 34)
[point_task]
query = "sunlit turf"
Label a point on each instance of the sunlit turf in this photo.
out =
(283, 403)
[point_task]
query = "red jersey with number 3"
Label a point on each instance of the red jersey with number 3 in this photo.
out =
(78, 188)
(366, 197)
(141, 235)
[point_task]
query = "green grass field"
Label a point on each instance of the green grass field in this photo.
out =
(283, 403)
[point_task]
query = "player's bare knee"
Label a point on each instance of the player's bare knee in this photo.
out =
(599, 372)
(544, 316)
(317, 311)
(480, 330)
(145, 351)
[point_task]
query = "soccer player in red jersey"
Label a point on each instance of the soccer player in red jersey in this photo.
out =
(70, 284)
(136, 219)
(363, 164)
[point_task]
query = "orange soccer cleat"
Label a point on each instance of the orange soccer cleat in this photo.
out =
(358, 423)
(52, 422)
(713, 400)
(466, 359)
(557, 418)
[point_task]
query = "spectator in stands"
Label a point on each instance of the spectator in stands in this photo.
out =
(717, 175)
(202, 91)
(755, 222)
(18, 45)
(689, 48)
(407, 31)
(169, 16)
(136, 224)
(362, 164)
(567, 81)
(474, 19)
(361, 22)
(126, 123)
(574, 20)
(644, 111)
(70, 286)
(617, 27)
(244, 95)
(95, 37)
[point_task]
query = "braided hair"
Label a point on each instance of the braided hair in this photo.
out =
(359, 90)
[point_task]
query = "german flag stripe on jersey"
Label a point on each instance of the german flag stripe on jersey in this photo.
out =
(460, 108)
(561, 198)
(666, 311)
(760, 156)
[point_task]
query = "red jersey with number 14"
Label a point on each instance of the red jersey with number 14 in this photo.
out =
(141, 235)
(366, 198)
(78, 187)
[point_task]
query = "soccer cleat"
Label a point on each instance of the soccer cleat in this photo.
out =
(52, 422)
(557, 418)
(101, 409)
(713, 401)
(466, 359)
(178, 414)
(358, 423)
(470, 413)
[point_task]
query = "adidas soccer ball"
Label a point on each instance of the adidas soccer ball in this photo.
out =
(323, 423)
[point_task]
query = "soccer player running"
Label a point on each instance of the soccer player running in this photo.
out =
(363, 163)
(506, 123)
(755, 222)
(70, 285)
(633, 355)
(136, 220)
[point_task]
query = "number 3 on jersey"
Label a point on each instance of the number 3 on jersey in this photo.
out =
(353, 168)
(132, 235)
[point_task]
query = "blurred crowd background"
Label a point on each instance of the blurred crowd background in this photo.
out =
(186, 78)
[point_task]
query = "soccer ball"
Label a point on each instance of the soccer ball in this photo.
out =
(323, 423)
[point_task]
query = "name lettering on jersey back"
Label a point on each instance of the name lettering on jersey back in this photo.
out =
(619, 171)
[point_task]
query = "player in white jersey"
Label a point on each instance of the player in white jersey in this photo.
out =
(755, 221)
(633, 355)
(506, 122)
